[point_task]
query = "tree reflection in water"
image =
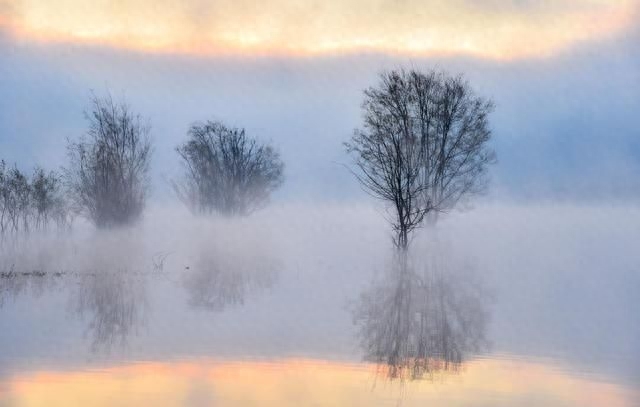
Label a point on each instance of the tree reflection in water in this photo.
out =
(14, 283)
(222, 279)
(415, 324)
(114, 304)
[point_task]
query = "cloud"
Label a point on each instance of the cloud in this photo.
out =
(486, 29)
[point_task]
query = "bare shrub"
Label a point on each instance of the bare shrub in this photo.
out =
(108, 171)
(226, 171)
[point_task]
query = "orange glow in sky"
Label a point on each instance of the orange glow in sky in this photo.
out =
(488, 29)
(294, 382)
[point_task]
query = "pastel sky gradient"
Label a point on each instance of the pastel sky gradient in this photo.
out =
(565, 77)
(489, 29)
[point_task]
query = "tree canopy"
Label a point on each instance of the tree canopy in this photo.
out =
(423, 146)
(226, 170)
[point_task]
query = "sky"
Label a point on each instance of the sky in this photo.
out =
(565, 78)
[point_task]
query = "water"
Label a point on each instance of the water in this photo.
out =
(301, 305)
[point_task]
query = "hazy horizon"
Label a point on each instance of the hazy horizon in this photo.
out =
(563, 127)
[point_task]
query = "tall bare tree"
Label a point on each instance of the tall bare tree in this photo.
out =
(108, 172)
(423, 146)
(226, 171)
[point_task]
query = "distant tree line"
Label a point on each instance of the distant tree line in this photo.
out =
(36, 202)
(107, 177)
(423, 147)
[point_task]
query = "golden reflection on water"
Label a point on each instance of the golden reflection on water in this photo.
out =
(295, 382)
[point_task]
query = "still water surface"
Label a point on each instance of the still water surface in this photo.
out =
(505, 307)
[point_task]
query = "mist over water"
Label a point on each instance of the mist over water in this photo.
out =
(548, 283)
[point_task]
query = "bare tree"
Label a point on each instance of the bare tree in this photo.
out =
(30, 203)
(15, 198)
(423, 146)
(226, 171)
(108, 172)
(4, 207)
(20, 194)
(48, 203)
